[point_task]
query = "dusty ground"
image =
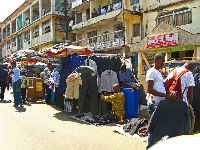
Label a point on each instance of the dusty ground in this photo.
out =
(42, 127)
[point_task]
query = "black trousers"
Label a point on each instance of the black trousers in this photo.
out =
(23, 94)
(47, 93)
(3, 88)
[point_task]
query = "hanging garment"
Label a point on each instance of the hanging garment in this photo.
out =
(117, 100)
(108, 79)
(73, 82)
(91, 63)
(88, 90)
(69, 64)
(196, 102)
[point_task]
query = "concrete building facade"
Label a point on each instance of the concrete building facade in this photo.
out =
(36, 24)
(106, 25)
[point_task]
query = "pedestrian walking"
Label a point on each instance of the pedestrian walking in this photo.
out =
(46, 75)
(3, 80)
(16, 81)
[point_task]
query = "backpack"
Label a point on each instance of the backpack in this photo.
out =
(173, 85)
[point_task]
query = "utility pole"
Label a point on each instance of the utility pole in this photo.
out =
(66, 20)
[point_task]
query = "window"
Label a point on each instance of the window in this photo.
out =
(27, 36)
(78, 18)
(14, 43)
(133, 2)
(46, 27)
(177, 17)
(8, 45)
(136, 30)
(183, 18)
(60, 25)
(105, 36)
(78, 39)
(118, 31)
(92, 36)
(35, 32)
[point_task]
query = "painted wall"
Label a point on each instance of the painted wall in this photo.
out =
(150, 18)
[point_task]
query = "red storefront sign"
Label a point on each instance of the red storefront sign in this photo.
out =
(162, 40)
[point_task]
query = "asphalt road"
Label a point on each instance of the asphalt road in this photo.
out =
(42, 127)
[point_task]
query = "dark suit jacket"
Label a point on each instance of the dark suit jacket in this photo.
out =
(171, 118)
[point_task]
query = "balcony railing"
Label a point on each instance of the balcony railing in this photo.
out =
(104, 41)
(106, 9)
(76, 3)
(92, 21)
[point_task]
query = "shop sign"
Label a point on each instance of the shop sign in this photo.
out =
(164, 40)
(76, 3)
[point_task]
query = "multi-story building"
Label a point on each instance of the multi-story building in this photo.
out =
(36, 24)
(106, 25)
(171, 27)
(146, 26)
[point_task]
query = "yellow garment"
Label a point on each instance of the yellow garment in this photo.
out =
(117, 100)
(73, 82)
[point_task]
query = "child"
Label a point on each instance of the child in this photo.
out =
(117, 100)
(23, 87)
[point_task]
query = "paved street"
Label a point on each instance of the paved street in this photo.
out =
(42, 127)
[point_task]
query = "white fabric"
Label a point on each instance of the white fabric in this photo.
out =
(187, 80)
(108, 79)
(46, 75)
(91, 63)
(156, 76)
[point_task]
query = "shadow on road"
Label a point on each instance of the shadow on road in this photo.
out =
(5, 101)
(20, 109)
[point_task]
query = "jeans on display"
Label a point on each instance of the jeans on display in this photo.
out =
(47, 93)
(17, 92)
(3, 87)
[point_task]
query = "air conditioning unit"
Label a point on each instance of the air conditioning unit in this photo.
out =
(136, 8)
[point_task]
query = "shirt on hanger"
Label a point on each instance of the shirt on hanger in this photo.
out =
(108, 79)
(91, 63)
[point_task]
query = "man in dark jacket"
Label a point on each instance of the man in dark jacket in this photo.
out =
(3, 80)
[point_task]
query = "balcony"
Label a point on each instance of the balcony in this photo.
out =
(45, 38)
(108, 41)
(95, 20)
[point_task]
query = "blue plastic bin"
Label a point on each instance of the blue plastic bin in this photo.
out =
(131, 102)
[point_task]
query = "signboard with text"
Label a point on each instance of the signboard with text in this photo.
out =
(163, 40)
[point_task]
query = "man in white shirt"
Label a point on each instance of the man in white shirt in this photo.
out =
(155, 87)
(155, 83)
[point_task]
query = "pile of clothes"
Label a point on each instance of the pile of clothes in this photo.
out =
(136, 126)
(95, 119)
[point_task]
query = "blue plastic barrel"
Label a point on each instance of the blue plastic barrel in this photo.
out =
(131, 102)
